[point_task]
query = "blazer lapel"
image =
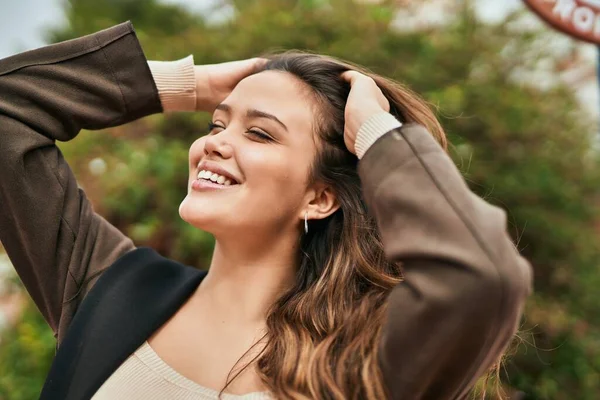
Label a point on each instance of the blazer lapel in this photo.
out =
(130, 301)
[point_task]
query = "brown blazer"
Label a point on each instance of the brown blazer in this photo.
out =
(465, 283)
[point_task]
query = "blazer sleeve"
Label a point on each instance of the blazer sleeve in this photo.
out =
(465, 283)
(51, 234)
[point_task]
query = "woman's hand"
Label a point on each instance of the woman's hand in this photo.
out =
(214, 82)
(364, 101)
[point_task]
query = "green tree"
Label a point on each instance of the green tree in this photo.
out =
(528, 149)
(26, 352)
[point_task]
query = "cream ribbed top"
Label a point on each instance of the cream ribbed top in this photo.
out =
(145, 376)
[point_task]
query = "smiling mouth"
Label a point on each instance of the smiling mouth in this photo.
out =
(215, 178)
(210, 181)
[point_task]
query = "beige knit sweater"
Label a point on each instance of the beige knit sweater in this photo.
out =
(144, 375)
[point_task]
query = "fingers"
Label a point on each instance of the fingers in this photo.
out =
(367, 87)
(352, 76)
(259, 64)
(256, 63)
(259, 61)
(243, 67)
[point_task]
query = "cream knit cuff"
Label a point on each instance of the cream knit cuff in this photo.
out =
(372, 129)
(176, 83)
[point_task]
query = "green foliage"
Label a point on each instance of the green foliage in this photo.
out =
(26, 352)
(529, 150)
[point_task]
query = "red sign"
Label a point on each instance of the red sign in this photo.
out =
(578, 18)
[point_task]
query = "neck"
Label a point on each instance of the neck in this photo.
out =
(245, 278)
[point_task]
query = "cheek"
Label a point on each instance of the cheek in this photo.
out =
(277, 179)
(279, 168)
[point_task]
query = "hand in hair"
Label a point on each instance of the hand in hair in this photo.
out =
(364, 101)
(214, 82)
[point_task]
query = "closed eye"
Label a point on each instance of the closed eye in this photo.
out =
(260, 135)
(212, 126)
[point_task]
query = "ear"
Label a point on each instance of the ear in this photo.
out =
(321, 202)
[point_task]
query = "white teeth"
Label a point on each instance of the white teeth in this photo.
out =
(220, 179)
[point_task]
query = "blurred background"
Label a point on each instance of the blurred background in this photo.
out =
(518, 100)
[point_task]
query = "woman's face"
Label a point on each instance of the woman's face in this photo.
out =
(263, 138)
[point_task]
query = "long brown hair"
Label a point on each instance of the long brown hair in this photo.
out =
(322, 334)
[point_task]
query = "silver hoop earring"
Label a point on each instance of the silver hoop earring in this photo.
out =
(306, 222)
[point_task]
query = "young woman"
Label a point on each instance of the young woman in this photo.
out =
(331, 278)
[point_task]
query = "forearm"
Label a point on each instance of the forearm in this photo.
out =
(85, 83)
(49, 229)
(465, 283)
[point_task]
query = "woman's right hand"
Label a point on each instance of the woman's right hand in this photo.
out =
(364, 101)
(214, 82)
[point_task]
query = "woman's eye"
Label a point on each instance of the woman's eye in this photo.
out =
(260, 135)
(216, 128)
(212, 127)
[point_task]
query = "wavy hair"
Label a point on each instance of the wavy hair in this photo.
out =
(322, 334)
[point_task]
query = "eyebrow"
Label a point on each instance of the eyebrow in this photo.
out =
(252, 113)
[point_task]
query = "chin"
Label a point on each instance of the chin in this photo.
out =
(197, 216)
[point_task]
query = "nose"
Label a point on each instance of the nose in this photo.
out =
(218, 145)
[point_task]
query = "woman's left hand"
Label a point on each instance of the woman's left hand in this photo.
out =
(214, 82)
(364, 101)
